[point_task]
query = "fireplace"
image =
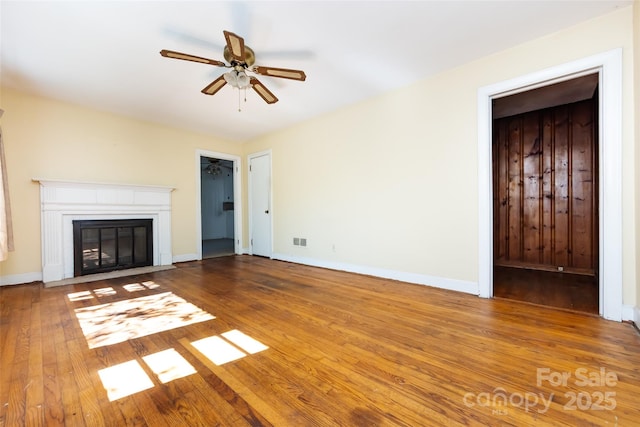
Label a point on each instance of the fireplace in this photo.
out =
(107, 245)
(65, 202)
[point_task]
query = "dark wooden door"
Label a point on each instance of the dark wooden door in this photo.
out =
(545, 189)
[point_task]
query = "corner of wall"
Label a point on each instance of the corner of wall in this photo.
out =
(185, 258)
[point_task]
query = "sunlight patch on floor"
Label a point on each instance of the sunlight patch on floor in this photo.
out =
(120, 321)
(220, 350)
(244, 341)
(116, 322)
(108, 291)
(124, 379)
(104, 292)
(143, 286)
(79, 296)
(169, 365)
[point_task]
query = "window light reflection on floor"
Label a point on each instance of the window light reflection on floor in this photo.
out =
(150, 284)
(169, 365)
(134, 287)
(143, 286)
(218, 350)
(129, 378)
(103, 292)
(79, 296)
(221, 351)
(244, 341)
(124, 379)
(116, 322)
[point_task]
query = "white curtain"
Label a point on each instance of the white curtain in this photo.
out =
(6, 229)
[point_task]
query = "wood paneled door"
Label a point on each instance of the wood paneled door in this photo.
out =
(545, 189)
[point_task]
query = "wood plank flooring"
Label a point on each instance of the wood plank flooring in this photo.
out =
(341, 350)
(561, 290)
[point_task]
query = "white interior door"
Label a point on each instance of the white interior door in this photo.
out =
(260, 194)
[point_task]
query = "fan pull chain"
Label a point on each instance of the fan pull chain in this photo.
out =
(245, 98)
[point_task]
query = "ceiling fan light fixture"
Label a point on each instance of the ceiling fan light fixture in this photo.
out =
(213, 169)
(243, 80)
(232, 78)
(237, 79)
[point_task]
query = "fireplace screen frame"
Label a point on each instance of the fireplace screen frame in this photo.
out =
(116, 227)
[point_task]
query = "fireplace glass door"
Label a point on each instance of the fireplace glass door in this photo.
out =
(106, 245)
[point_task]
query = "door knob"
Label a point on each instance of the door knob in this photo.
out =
(267, 211)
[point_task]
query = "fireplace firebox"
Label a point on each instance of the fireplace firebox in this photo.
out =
(107, 245)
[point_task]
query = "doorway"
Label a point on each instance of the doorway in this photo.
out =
(545, 195)
(608, 65)
(217, 207)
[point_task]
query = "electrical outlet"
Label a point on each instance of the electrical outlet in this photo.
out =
(303, 242)
(296, 241)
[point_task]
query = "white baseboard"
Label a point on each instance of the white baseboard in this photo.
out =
(19, 279)
(631, 313)
(185, 258)
(420, 279)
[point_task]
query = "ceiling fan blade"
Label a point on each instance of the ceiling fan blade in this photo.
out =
(280, 72)
(187, 57)
(214, 86)
(235, 44)
(264, 93)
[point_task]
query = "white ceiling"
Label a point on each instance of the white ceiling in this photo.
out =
(105, 54)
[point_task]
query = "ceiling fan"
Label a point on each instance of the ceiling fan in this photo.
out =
(240, 59)
(214, 167)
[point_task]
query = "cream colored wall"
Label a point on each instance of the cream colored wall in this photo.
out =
(50, 139)
(392, 182)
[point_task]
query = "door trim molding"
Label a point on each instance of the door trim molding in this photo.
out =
(250, 198)
(609, 67)
(237, 198)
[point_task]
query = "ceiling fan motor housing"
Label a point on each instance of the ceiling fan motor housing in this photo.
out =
(249, 57)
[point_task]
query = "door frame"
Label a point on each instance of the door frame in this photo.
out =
(237, 199)
(608, 65)
(250, 198)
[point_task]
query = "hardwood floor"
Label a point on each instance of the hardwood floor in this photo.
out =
(561, 290)
(247, 341)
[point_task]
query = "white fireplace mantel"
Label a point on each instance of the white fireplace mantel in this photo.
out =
(62, 202)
